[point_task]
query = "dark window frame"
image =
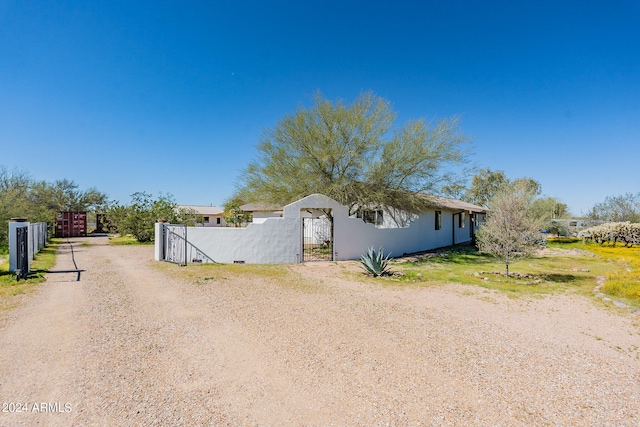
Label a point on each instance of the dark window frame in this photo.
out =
(371, 216)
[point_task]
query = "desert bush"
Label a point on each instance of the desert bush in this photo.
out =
(512, 229)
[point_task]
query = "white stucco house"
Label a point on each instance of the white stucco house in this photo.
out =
(302, 231)
(211, 216)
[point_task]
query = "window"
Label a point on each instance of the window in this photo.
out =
(206, 220)
(218, 221)
(438, 220)
(371, 216)
(462, 219)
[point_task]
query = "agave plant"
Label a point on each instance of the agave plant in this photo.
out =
(375, 263)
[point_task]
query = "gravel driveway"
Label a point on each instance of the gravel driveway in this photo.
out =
(131, 343)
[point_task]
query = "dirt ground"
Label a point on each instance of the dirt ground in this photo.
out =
(131, 344)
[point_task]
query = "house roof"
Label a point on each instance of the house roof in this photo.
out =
(203, 210)
(438, 202)
(457, 205)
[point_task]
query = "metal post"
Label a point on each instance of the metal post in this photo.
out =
(185, 245)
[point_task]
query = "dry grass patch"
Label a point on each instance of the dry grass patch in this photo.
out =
(127, 241)
(213, 273)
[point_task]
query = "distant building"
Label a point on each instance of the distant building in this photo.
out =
(571, 227)
(209, 216)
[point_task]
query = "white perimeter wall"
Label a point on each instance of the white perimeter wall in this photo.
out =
(260, 217)
(279, 240)
(275, 241)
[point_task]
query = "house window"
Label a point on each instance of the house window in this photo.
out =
(438, 220)
(462, 219)
(206, 220)
(218, 221)
(374, 217)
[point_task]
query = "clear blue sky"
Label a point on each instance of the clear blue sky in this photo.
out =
(172, 97)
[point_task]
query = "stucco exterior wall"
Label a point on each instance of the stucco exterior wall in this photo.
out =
(278, 240)
(352, 236)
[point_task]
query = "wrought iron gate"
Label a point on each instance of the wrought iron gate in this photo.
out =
(174, 243)
(22, 246)
(317, 239)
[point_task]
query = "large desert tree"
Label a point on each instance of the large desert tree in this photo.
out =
(512, 228)
(356, 155)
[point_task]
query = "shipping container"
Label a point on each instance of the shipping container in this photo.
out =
(71, 224)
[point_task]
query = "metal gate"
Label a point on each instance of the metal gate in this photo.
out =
(174, 243)
(22, 246)
(317, 239)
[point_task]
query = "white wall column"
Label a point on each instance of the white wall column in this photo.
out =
(14, 224)
(158, 240)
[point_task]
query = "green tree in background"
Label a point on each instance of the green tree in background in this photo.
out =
(14, 186)
(625, 207)
(64, 195)
(139, 217)
(233, 215)
(549, 208)
(487, 184)
(41, 201)
(484, 185)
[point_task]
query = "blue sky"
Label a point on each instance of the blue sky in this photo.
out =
(171, 97)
